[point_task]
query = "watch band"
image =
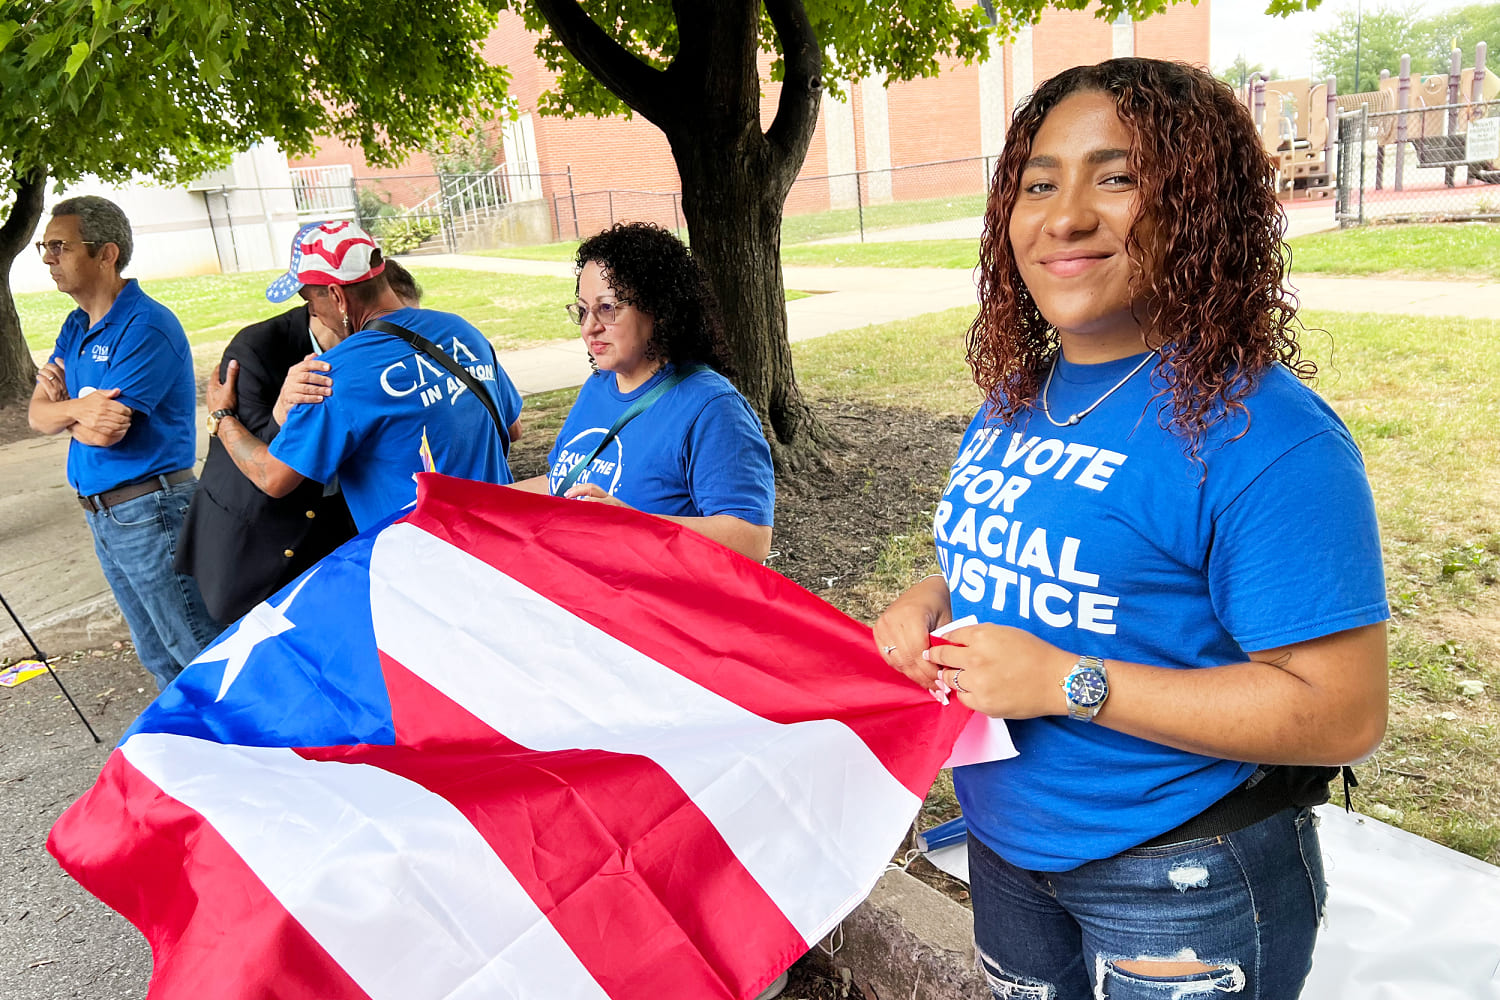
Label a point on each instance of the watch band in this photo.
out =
(215, 417)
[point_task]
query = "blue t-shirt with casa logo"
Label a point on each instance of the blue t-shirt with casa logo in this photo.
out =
(140, 349)
(697, 451)
(1105, 539)
(395, 412)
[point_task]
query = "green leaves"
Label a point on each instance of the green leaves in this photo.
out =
(168, 90)
(76, 55)
(1281, 8)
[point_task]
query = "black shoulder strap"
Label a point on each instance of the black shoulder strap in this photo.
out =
(432, 350)
(635, 409)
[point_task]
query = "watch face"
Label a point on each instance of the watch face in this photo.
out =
(1086, 687)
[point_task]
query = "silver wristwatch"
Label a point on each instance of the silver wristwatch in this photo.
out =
(1086, 687)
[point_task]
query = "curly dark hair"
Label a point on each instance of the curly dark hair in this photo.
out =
(1211, 286)
(651, 269)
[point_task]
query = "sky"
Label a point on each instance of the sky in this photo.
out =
(1285, 44)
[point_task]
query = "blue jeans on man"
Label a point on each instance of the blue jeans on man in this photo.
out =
(136, 542)
(1247, 903)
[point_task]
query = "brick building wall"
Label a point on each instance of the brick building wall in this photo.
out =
(1066, 38)
(622, 168)
(1183, 36)
(936, 118)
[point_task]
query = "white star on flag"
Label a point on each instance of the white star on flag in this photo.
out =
(265, 621)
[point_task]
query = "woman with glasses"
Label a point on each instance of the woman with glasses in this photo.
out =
(657, 426)
(1162, 550)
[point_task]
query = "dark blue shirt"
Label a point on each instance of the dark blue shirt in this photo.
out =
(140, 349)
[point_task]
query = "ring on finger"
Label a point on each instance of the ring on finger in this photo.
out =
(952, 679)
(887, 650)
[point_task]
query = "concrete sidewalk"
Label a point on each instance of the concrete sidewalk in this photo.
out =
(51, 578)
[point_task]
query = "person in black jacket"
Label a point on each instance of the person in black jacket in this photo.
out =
(239, 544)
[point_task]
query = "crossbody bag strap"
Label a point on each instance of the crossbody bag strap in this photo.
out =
(635, 409)
(432, 350)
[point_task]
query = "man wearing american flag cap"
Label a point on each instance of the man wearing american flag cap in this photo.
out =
(396, 409)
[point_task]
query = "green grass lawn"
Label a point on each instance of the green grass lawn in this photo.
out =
(512, 310)
(1437, 250)
(909, 253)
(892, 215)
(903, 253)
(1419, 396)
(562, 252)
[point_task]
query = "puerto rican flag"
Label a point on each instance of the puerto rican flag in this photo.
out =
(510, 746)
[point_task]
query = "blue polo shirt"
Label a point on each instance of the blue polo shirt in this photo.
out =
(140, 349)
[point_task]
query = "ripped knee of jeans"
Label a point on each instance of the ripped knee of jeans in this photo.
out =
(1010, 986)
(1175, 976)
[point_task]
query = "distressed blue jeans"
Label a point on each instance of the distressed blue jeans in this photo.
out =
(1246, 903)
(136, 542)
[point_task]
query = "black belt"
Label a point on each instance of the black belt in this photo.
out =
(101, 502)
(1264, 794)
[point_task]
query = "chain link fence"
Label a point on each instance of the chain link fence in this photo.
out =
(936, 200)
(898, 202)
(461, 212)
(1434, 163)
(577, 214)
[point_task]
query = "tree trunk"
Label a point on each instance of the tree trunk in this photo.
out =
(17, 372)
(733, 209)
(735, 177)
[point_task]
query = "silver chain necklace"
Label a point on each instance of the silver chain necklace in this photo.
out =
(1047, 412)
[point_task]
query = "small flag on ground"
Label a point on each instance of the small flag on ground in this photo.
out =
(510, 746)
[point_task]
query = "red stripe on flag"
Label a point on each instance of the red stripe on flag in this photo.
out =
(753, 636)
(629, 872)
(210, 921)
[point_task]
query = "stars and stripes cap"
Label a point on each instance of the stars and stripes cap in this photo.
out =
(327, 253)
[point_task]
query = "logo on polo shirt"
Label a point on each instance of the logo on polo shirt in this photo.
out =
(100, 354)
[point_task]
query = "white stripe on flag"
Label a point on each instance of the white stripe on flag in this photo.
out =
(807, 808)
(391, 880)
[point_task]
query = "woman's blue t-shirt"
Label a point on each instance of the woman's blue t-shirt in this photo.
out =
(697, 451)
(1105, 539)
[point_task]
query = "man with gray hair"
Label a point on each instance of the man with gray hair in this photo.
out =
(120, 381)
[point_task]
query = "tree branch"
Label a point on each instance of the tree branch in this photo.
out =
(688, 65)
(24, 215)
(714, 72)
(802, 81)
(630, 78)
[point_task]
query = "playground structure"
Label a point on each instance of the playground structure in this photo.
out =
(1418, 129)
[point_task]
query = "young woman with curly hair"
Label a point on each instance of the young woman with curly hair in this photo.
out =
(1166, 546)
(696, 453)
